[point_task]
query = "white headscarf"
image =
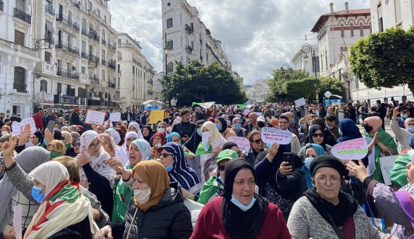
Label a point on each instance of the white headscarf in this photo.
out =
(122, 153)
(136, 126)
(98, 163)
(144, 148)
(115, 135)
(50, 174)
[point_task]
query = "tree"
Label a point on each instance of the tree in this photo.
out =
(279, 80)
(196, 82)
(333, 85)
(385, 59)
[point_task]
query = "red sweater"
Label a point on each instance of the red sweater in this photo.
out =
(38, 119)
(210, 224)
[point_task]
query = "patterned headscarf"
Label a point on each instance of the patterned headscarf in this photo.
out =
(181, 173)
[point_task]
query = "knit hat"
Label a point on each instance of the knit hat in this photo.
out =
(226, 154)
(328, 161)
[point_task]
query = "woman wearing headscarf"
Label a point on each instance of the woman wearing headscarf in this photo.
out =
(221, 124)
(56, 148)
(121, 133)
(238, 128)
(147, 132)
(67, 140)
(211, 139)
(134, 126)
(157, 141)
(157, 209)
(62, 210)
(398, 172)
(317, 136)
(139, 150)
(380, 141)
(239, 212)
(173, 159)
(176, 138)
(349, 130)
(115, 135)
(93, 160)
(325, 210)
(122, 152)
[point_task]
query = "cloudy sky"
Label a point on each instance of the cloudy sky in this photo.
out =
(258, 35)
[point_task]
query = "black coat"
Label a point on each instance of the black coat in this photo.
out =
(170, 218)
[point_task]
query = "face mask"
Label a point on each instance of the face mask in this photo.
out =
(169, 168)
(37, 195)
(261, 124)
(237, 126)
(4, 132)
(329, 127)
(199, 131)
(205, 138)
(218, 127)
(294, 121)
(157, 146)
(367, 128)
(241, 205)
(142, 196)
(308, 162)
(410, 129)
(161, 130)
(404, 116)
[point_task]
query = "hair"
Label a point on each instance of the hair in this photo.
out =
(318, 121)
(284, 117)
(408, 120)
(184, 112)
(72, 166)
(252, 134)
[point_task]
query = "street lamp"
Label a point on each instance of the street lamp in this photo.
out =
(307, 48)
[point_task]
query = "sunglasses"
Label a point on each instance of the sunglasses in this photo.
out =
(221, 168)
(258, 141)
(317, 135)
(76, 144)
(164, 155)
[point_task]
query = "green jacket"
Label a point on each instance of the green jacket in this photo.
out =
(122, 197)
(210, 187)
(388, 141)
(397, 174)
(200, 149)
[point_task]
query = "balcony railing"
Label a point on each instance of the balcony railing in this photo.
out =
(93, 35)
(103, 62)
(112, 65)
(17, 48)
(65, 99)
(49, 40)
(68, 74)
(84, 55)
(103, 42)
(111, 47)
(94, 80)
(20, 87)
(93, 58)
(68, 21)
(111, 85)
(22, 15)
(50, 10)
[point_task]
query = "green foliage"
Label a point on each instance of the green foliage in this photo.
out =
(199, 83)
(385, 59)
(333, 85)
(279, 80)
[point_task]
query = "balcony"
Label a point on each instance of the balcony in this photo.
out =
(84, 55)
(103, 62)
(112, 47)
(50, 10)
(68, 21)
(93, 35)
(73, 50)
(188, 29)
(93, 80)
(112, 65)
(84, 32)
(189, 49)
(111, 85)
(65, 99)
(75, 26)
(22, 15)
(103, 42)
(93, 58)
(20, 87)
(11, 46)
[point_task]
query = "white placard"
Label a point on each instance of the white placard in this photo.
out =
(242, 143)
(32, 124)
(350, 150)
(93, 116)
(275, 135)
(115, 117)
(17, 221)
(17, 128)
(386, 164)
(300, 102)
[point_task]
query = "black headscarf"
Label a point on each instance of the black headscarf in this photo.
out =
(228, 145)
(312, 130)
(147, 138)
(238, 223)
(223, 124)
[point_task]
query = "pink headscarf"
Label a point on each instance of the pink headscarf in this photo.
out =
(375, 122)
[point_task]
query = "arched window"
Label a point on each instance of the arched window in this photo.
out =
(170, 67)
(352, 29)
(43, 86)
(19, 79)
(342, 30)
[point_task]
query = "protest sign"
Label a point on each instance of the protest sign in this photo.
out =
(275, 135)
(93, 116)
(351, 150)
(31, 122)
(208, 166)
(17, 128)
(155, 116)
(115, 117)
(386, 164)
(300, 102)
(242, 143)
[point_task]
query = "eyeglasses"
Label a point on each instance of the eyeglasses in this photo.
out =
(258, 141)
(317, 135)
(324, 179)
(78, 144)
(221, 168)
(93, 146)
(164, 155)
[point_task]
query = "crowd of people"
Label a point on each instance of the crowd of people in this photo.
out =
(186, 177)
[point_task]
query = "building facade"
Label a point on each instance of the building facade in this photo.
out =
(136, 73)
(303, 60)
(186, 37)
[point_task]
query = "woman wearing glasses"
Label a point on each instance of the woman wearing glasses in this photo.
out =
(95, 170)
(325, 210)
(256, 146)
(316, 133)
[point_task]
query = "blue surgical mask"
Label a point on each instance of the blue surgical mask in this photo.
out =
(169, 168)
(410, 129)
(37, 195)
(404, 116)
(218, 127)
(329, 127)
(199, 131)
(237, 126)
(308, 162)
(241, 205)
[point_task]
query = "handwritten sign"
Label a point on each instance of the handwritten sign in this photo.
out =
(17, 128)
(242, 143)
(351, 149)
(32, 124)
(93, 116)
(115, 117)
(300, 102)
(274, 135)
(386, 164)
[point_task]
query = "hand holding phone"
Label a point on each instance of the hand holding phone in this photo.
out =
(51, 125)
(287, 157)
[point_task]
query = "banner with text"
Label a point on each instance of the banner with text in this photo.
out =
(93, 116)
(350, 150)
(274, 135)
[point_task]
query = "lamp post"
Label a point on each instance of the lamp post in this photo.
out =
(307, 48)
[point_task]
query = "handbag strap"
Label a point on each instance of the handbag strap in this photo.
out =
(372, 214)
(335, 228)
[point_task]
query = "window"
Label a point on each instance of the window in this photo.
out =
(59, 88)
(103, 55)
(103, 36)
(47, 57)
(170, 45)
(119, 41)
(352, 30)
(83, 70)
(342, 30)
(83, 23)
(21, 5)
(119, 56)
(89, 5)
(98, 12)
(133, 70)
(18, 38)
(19, 79)
(361, 29)
(43, 86)
(105, 19)
(169, 22)
(397, 4)
(170, 67)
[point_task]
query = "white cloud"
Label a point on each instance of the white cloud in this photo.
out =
(258, 35)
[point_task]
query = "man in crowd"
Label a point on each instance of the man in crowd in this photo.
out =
(185, 128)
(38, 119)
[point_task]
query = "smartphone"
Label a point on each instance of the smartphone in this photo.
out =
(288, 157)
(51, 125)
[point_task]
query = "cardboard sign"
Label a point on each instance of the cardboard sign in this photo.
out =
(350, 150)
(155, 116)
(93, 116)
(115, 117)
(386, 164)
(300, 102)
(242, 143)
(275, 135)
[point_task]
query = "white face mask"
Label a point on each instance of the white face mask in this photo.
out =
(157, 146)
(4, 132)
(142, 196)
(162, 130)
(205, 136)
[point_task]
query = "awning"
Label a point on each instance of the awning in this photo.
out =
(151, 101)
(49, 27)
